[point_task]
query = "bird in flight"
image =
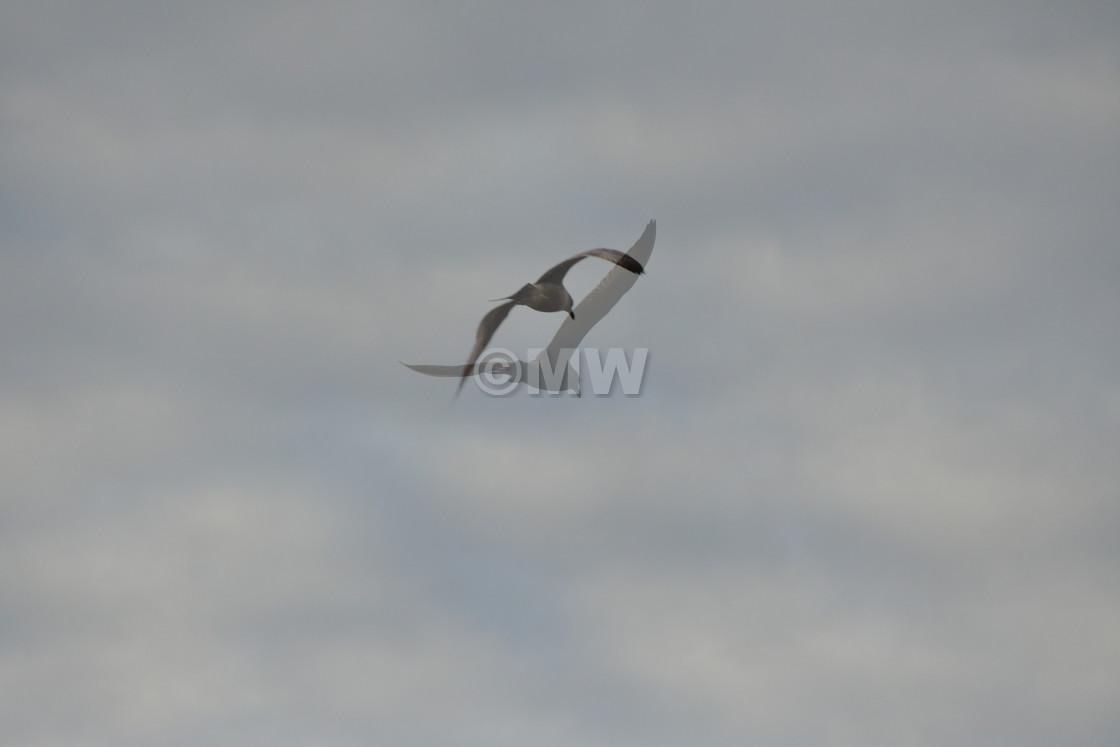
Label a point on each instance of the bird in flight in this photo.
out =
(547, 294)
(586, 315)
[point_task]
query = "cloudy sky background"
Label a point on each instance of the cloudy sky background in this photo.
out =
(868, 494)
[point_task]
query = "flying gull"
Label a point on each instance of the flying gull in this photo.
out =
(548, 294)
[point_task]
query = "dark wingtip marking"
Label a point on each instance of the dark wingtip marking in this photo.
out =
(632, 265)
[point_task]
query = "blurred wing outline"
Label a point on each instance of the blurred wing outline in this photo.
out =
(621, 259)
(486, 329)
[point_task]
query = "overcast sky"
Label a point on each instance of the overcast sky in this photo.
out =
(869, 493)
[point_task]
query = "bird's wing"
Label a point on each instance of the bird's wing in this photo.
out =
(557, 273)
(460, 371)
(601, 299)
(622, 259)
(486, 329)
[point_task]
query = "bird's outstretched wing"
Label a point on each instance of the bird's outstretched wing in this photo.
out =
(486, 329)
(599, 301)
(557, 273)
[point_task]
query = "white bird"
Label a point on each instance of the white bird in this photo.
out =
(555, 298)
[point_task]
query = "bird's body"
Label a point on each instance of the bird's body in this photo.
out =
(542, 297)
(547, 294)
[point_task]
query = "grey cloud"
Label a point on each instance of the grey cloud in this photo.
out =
(867, 494)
